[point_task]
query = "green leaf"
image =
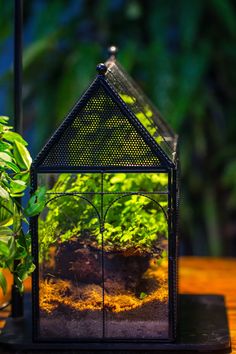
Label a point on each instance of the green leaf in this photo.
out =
(34, 208)
(24, 269)
(28, 240)
(142, 295)
(3, 283)
(41, 193)
(36, 203)
(12, 167)
(5, 231)
(4, 119)
(23, 246)
(21, 155)
(4, 146)
(12, 137)
(118, 178)
(12, 247)
(17, 186)
(18, 281)
(6, 213)
(5, 157)
(3, 193)
(21, 252)
(4, 250)
(23, 176)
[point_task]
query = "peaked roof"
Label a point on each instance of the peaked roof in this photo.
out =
(142, 107)
(101, 132)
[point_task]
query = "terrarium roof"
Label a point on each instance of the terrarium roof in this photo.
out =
(113, 126)
(142, 107)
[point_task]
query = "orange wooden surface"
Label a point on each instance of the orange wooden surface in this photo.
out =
(211, 276)
(197, 276)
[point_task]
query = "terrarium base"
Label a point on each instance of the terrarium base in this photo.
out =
(203, 328)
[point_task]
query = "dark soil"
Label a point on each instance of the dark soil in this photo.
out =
(150, 321)
(81, 262)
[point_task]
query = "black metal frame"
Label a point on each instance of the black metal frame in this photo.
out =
(16, 296)
(101, 80)
(167, 166)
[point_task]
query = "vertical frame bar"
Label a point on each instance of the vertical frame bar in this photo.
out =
(35, 275)
(102, 232)
(175, 247)
(170, 297)
(176, 197)
(172, 257)
(16, 297)
(18, 72)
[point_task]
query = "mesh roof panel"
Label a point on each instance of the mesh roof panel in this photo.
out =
(144, 110)
(99, 134)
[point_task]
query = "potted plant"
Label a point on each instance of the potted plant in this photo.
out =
(15, 243)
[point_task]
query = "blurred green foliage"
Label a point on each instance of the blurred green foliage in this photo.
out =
(182, 53)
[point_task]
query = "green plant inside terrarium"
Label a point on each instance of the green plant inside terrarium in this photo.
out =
(103, 241)
(133, 215)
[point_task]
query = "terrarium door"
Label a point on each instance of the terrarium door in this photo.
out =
(103, 257)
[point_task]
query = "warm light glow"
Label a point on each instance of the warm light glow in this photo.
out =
(56, 292)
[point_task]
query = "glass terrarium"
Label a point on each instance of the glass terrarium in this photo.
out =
(105, 244)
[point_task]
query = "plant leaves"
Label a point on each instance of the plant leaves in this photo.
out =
(17, 186)
(20, 252)
(5, 231)
(4, 146)
(4, 119)
(5, 157)
(36, 203)
(4, 250)
(27, 240)
(4, 194)
(21, 155)
(12, 247)
(25, 268)
(6, 213)
(12, 137)
(12, 167)
(3, 283)
(142, 295)
(23, 176)
(18, 281)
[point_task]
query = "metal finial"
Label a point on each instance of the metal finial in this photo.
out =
(112, 51)
(101, 69)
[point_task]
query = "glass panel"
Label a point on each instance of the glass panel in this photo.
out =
(135, 257)
(70, 266)
(141, 106)
(123, 271)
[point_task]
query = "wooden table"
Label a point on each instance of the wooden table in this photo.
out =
(198, 276)
(211, 276)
